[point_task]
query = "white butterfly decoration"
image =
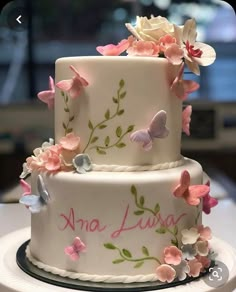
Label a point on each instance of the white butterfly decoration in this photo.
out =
(82, 163)
(156, 129)
(36, 202)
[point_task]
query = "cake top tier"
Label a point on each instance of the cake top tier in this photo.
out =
(124, 113)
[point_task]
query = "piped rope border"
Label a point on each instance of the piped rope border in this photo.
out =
(88, 277)
(126, 168)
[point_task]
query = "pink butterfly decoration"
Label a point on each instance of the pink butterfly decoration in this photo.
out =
(74, 250)
(208, 202)
(182, 88)
(186, 119)
(48, 96)
(191, 194)
(26, 187)
(156, 129)
(73, 86)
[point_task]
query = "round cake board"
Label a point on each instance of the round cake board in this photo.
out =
(13, 279)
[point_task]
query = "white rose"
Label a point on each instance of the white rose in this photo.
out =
(151, 29)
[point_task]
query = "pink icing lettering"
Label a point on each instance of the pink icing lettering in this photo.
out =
(70, 220)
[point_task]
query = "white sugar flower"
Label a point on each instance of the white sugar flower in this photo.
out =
(202, 248)
(189, 251)
(190, 236)
(181, 270)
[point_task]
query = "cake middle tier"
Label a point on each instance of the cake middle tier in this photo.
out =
(121, 96)
(123, 219)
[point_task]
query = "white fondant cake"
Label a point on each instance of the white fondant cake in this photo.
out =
(115, 188)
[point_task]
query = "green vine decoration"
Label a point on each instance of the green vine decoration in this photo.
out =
(66, 126)
(140, 204)
(126, 255)
(108, 116)
(198, 215)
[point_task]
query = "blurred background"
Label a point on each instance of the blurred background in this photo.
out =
(58, 28)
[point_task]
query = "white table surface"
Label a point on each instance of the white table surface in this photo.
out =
(222, 219)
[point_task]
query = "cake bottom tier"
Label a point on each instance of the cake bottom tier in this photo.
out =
(122, 221)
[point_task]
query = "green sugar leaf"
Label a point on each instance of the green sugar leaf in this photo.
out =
(120, 145)
(109, 245)
(174, 242)
(138, 265)
(118, 131)
(107, 141)
(145, 251)
(90, 125)
(67, 98)
(115, 100)
(141, 200)
(69, 130)
(118, 261)
(127, 253)
(175, 230)
(94, 139)
(66, 110)
(157, 208)
(102, 127)
(71, 118)
(100, 151)
(64, 126)
(120, 112)
(133, 190)
(130, 128)
(161, 230)
(122, 95)
(122, 83)
(107, 114)
(138, 212)
(62, 93)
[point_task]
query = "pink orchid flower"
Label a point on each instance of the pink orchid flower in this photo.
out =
(143, 48)
(208, 202)
(165, 273)
(48, 96)
(70, 142)
(195, 53)
(73, 86)
(195, 268)
(191, 194)
(26, 187)
(186, 119)
(74, 250)
(172, 255)
(182, 88)
(205, 232)
(115, 50)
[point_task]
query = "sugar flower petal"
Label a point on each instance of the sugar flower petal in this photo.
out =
(189, 251)
(48, 96)
(205, 261)
(165, 273)
(172, 255)
(143, 48)
(115, 50)
(190, 236)
(70, 142)
(82, 163)
(195, 268)
(174, 53)
(205, 232)
(208, 202)
(182, 270)
(202, 247)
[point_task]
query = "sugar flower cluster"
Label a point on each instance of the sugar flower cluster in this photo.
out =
(193, 258)
(157, 37)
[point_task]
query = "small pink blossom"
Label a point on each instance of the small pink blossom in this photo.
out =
(165, 273)
(48, 96)
(143, 48)
(172, 255)
(174, 54)
(73, 86)
(26, 187)
(208, 202)
(74, 250)
(52, 160)
(205, 261)
(186, 119)
(205, 232)
(70, 142)
(182, 88)
(195, 268)
(115, 50)
(166, 41)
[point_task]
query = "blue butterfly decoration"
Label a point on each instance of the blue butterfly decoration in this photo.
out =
(82, 163)
(36, 202)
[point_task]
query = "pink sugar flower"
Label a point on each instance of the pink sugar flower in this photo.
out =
(172, 255)
(205, 232)
(73, 86)
(195, 268)
(26, 187)
(48, 96)
(166, 41)
(182, 88)
(186, 119)
(70, 142)
(143, 48)
(205, 261)
(74, 250)
(208, 202)
(174, 54)
(52, 160)
(165, 273)
(115, 50)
